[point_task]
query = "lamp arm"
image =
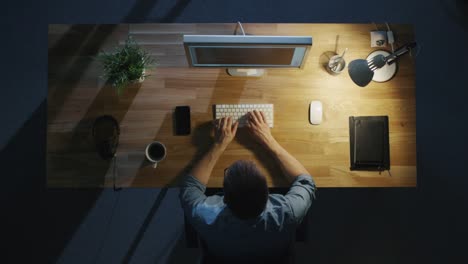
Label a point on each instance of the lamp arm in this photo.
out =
(399, 52)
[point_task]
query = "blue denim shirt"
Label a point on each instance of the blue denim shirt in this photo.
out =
(268, 234)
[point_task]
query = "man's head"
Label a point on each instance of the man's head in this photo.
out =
(245, 189)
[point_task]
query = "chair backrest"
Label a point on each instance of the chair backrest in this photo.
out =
(208, 258)
(193, 240)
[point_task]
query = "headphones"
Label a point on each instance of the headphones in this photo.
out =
(107, 143)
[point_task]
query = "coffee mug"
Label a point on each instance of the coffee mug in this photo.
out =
(155, 152)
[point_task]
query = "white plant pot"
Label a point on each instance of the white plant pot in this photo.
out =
(142, 78)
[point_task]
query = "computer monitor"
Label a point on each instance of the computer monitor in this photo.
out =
(241, 53)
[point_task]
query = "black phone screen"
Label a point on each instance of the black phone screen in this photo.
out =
(182, 120)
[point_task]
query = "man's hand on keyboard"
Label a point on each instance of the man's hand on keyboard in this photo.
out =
(258, 126)
(225, 131)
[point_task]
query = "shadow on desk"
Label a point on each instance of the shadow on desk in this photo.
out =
(198, 142)
(201, 139)
(73, 153)
(69, 59)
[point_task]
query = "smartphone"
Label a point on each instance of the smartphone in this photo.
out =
(182, 120)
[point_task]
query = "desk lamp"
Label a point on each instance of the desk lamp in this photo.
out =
(362, 71)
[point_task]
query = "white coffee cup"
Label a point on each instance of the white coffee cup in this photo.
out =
(155, 152)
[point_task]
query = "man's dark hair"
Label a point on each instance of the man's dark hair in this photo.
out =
(245, 189)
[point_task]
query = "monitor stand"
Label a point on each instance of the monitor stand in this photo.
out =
(246, 72)
(242, 72)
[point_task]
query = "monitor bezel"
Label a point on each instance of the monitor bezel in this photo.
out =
(301, 44)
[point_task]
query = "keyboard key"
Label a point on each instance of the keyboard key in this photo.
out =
(239, 112)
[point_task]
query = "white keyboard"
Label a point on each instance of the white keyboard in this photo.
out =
(238, 112)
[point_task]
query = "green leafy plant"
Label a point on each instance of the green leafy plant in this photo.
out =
(126, 64)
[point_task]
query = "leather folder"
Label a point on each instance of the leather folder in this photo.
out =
(369, 143)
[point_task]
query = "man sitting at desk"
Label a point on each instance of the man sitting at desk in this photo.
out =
(247, 223)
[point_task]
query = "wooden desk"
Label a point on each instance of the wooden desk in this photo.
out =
(77, 96)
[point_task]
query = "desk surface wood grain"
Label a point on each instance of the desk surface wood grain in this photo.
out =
(77, 95)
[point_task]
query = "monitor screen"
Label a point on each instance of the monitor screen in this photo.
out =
(246, 51)
(242, 55)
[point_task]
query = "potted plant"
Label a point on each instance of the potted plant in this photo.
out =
(127, 64)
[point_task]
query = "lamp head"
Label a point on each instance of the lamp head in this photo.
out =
(360, 72)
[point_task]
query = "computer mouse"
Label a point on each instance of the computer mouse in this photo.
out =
(315, 112)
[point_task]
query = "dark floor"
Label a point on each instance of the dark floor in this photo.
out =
(419, 225)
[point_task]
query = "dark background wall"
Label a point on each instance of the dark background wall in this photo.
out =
(425, 224)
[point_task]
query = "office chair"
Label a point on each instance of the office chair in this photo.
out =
(193, 240)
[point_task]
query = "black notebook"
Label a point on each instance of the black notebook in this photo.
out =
(369, 143)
